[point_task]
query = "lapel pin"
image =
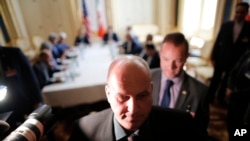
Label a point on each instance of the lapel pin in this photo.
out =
(184, 92)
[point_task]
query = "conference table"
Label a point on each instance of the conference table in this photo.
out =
(84, 81)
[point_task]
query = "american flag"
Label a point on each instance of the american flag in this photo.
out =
(85, 21)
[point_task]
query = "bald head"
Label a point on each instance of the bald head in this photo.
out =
(129, 65)
(129, 91)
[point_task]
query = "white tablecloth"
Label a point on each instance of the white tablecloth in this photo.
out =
(87, 85)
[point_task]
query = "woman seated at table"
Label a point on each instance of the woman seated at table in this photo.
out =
(44, 69)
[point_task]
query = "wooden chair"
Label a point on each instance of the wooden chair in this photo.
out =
(202, 64)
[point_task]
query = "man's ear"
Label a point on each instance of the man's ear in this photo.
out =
(151, 86)
(107, 91)
(186, 57)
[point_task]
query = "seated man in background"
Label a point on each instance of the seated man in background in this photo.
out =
(130, 46)
(62, 46)
(82, 38)
(129, 30)
(129, 92)
(110, 36)
(43, 68)
(151, 56)
(51, 44)
(56, 56)
(174, 88)
(23, 93)
(134, 37)
(149, 40)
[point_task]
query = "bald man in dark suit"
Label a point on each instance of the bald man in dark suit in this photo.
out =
(129, 92)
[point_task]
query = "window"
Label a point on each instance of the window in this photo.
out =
(197, 17)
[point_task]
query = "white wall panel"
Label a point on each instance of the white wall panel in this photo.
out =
(45, 16)
(129, 12)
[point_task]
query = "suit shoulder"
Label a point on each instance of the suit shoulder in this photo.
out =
(196, 82)
(88, 127)
(11, 49)
(96, 116)
(155, 71)
(228, 23)
(92, 122)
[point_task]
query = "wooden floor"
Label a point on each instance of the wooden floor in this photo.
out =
(217, 126)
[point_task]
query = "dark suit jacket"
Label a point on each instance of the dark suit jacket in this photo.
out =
(106, 37)
(225, 52)
(135, 48)
(162, 124)
(43, 74)
(155, 62)
(192, 97)
(84, 39)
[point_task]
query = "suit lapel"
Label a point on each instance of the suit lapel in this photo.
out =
(183, 94)
(156, 86)
(242, 34)
(107, 132)
(231, 31)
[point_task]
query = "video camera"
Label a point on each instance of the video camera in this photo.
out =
(37, 124)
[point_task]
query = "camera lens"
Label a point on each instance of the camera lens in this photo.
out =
(38, 122)
(30, 130)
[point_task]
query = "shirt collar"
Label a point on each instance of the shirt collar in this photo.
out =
(239, 23)
(177, 79)
(119, 131)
